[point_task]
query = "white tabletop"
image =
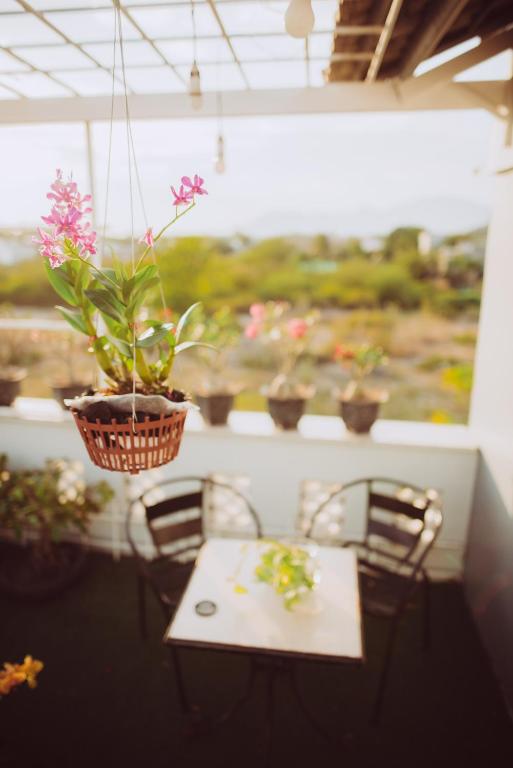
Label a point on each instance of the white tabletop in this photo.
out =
(257, 619)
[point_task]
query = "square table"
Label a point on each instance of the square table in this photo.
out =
(251, 618)
(256, 621)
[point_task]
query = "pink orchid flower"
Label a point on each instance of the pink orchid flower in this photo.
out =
(297, 328)
(257, 312)
(65, 222)
(182, 197)
(195, 186)
(147, 238)
(253, 330)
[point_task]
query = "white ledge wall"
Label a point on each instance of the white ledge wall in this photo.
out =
(442, 457)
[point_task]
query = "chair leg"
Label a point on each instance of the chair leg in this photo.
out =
(141, 602)
(378, 703)
(427, 612)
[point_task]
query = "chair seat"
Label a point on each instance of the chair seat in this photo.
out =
(170, 578)
(382, 591)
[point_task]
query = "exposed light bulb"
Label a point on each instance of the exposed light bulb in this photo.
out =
(219, 164)
(195, 87)
(299, 18)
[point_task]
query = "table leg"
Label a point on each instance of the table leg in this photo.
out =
(272, 672)
(182, 695)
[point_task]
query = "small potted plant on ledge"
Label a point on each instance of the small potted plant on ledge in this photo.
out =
(216, 391)
(136, 420)
(70, 386)
(359, 405)
(11, 373)
(37, 508)
(288, 335)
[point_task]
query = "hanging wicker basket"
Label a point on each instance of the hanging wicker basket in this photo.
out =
(132, 447)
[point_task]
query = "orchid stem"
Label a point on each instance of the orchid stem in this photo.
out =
(159, 235)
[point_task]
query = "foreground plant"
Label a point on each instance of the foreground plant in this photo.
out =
(46, 503)
(14, 675)
(289, 569)
(127, 345)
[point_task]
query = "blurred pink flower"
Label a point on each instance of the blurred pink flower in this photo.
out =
(195, 186)
(148, 238)
(297, 328)
(253, 330)
(257, 311)
(182, 197)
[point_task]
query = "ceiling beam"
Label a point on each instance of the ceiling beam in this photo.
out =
(384, 39)
(446, 72)
(431, 30)
(337, 98)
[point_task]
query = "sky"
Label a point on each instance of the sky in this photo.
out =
(345, 173)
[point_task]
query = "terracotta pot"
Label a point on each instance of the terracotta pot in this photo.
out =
(68, 392)
(215, 408)
(125, 446)
(21, 576)
(286, 412)
(359, 415)
(10, 384)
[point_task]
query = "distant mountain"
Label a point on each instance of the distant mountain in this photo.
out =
(441, 216)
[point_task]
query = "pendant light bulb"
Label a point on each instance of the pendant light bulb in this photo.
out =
(195, 87)
(299, 18)
(219, 164)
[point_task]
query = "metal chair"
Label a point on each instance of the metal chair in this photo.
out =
(402, 524)
(174, 512)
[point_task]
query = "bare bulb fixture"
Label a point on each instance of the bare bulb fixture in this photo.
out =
(299, 18)
(195, 87)
(219, 164)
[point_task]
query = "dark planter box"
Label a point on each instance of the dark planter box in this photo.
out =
(359, 416)
(286, 412)
(215, 408)
(68, 392)
(21, 577)
(10, 386)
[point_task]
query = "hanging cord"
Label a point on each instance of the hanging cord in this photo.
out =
(109, 165)
(131, 195)
(194, 46)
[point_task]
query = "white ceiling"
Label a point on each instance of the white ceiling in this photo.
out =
(63, 48)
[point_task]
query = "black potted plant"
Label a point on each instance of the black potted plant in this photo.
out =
(274, 324)
(38, 508)
(11, 377)
(359, 404)
(216, 391)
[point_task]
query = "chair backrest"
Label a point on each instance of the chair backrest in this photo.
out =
(175, 510)
(402, 520)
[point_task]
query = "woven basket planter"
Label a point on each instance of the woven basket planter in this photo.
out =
(132, 448)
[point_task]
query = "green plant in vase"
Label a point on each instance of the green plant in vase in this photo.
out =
(290, 570)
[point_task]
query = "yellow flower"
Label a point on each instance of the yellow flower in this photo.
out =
(13, 675)
(31, 667)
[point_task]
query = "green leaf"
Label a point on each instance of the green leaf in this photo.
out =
(75, 319)
(189, 344)
(60, 283)
(184, 318)
(152, 336)
(106, 302)
(139, 293)
(107, 277)
(146, 273)
(122, 346)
